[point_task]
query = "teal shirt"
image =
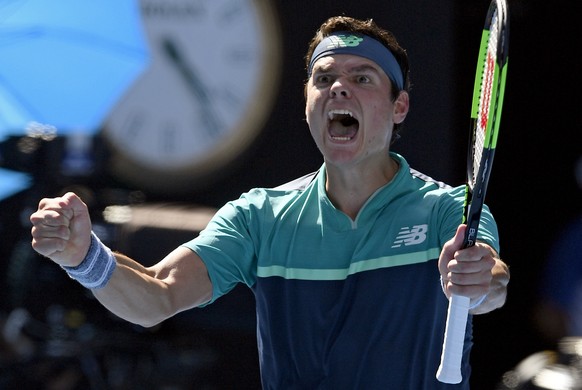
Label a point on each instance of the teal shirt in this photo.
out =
(342, 302)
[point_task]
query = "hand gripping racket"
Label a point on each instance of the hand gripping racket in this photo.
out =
(485, 118)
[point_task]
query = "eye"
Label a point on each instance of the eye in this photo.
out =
(322, 79)
(362, 79)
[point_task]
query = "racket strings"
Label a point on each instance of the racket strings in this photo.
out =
(485, 95)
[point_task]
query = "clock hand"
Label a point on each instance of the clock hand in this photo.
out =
(194, 83)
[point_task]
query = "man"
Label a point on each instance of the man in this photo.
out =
(348, 265)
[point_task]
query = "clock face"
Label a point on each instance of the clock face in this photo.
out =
(212, 78)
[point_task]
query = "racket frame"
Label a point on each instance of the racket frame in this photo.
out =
(449, 370)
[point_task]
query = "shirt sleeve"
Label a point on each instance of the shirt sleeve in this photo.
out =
(226, 247)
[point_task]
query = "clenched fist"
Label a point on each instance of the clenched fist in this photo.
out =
(61, 229)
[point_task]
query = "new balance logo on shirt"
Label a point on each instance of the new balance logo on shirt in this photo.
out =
(410, 236)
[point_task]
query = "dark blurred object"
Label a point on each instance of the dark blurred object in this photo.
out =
(56, 335)
(65, 351)
(548, 370)
(558, 312)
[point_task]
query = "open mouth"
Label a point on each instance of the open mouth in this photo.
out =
(342, 125)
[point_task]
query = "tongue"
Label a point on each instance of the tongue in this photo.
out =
(337, 129)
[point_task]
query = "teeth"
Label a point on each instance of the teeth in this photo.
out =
(341, 138)
(331, 114)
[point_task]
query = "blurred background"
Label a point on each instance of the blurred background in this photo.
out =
(210, 104)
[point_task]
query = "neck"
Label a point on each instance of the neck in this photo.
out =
(350, 188)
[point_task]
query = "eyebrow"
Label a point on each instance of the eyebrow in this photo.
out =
(354, 69)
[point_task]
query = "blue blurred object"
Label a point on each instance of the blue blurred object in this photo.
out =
(12, 182)
(65, 63)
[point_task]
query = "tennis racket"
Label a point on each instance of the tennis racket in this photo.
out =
(485, 117)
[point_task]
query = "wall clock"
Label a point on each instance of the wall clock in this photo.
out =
(210, 86)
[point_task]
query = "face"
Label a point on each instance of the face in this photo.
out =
(350, 111)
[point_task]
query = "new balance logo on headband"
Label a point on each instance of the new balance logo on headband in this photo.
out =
(341, 40)
(410, 236)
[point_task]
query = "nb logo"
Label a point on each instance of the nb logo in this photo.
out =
(410, 236)
(338, 41)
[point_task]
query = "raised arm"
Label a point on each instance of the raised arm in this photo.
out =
(143, 295)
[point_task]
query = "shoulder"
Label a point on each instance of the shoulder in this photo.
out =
(415, 178)
(270, 201)
(298, 184)
(424, 185)
(428, 180)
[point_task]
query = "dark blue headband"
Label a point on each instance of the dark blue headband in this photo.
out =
(343, 42)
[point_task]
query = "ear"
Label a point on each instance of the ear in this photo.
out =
(401, 106)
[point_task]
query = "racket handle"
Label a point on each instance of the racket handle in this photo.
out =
(450, 368)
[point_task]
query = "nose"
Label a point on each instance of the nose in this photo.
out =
(339, 88)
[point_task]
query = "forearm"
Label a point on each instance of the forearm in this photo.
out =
(148, 296)
(498, 289)
(134, 294)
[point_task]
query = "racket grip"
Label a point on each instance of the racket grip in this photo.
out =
(450, 369)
